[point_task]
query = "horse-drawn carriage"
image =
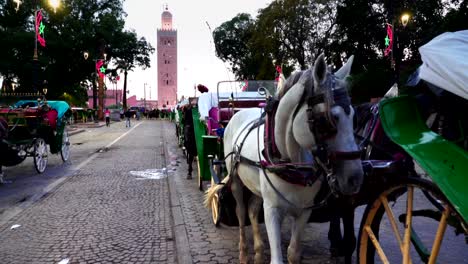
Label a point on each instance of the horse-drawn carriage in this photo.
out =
(29, 129)
(421, 205)
(212, 112)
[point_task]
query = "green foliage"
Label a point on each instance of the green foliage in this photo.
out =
(232, 45)
(95, 26)
(293, 32)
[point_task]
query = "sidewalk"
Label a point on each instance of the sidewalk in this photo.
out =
(80, 127)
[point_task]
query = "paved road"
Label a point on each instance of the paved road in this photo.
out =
(123, 198)
(101, 213)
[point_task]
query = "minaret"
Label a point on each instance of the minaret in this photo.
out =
(167, 61)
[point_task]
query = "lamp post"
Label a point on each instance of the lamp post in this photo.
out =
(38, 29)
(398, 48)
(98, 67)
(93, 82)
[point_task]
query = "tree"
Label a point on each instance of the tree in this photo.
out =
(129, 53)
(95, 26)
(363, 35)
(232, 45)
(289, 33)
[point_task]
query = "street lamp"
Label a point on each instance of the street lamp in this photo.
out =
(399, 48)
(404, 19)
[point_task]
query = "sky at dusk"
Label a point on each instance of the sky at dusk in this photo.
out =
(197, 62)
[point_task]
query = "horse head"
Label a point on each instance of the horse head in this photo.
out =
(330, 118)
(316, 115)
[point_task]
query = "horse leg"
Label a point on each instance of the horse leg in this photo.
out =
(349, 239)
(295, 248)
(334, 235)
(190, 158)
(254, 207)
(273, 218)
(237, 192)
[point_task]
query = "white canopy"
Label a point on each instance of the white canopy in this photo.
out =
(446, 62)
(206, 101)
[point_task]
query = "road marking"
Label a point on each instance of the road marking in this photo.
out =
(84, 163)
(131, 129)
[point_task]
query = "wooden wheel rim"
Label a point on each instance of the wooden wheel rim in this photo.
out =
(380, 203)
(200, 181)
(215, 209)
(40, 155)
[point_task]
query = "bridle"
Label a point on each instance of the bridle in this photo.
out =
(323, 126)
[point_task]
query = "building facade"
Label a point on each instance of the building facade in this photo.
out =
(167, 61)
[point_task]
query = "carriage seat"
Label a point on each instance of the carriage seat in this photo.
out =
(50, 117)
(228, 108)
(444, 161)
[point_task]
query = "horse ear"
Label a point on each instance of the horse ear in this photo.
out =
(320, 69)
(344, 71)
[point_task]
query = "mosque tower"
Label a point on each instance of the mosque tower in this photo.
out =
(167, 61)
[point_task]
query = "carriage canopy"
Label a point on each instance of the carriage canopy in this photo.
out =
(445, 64)
(61, 106)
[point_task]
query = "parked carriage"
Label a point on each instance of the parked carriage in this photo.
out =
(422, 208)
(212, 112)
(32, 128)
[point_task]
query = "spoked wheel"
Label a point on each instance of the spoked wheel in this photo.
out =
(215, 204)
(65, 150)
(216, 210)
(40, 155)
(403, 226)
(200, 180)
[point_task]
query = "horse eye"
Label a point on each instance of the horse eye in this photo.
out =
(336, 117)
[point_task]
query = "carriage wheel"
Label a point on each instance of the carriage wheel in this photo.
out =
(215, 204)
(216, 210)
(403, 226)
(200, 180)
(40, 155)
(65, 150)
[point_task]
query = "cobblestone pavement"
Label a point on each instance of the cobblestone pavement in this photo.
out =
(102, 213)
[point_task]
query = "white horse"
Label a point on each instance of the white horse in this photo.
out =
(297, 140)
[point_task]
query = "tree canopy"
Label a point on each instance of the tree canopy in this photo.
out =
(292, 33)
(77, 26)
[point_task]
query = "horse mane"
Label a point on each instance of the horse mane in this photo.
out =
(293, 79)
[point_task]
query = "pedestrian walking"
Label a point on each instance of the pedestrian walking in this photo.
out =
(107, 115)
(128, 115)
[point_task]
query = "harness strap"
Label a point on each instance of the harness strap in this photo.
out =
(340, 155)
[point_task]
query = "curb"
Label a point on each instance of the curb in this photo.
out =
(180, 231)
(74, 132)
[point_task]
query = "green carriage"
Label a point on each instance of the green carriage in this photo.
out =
(423, 208)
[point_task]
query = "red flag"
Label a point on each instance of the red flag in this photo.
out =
(390, 40)
(278, 72)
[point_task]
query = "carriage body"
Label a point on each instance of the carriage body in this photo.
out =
(434, 201)
(32, 127)
(212, 112)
